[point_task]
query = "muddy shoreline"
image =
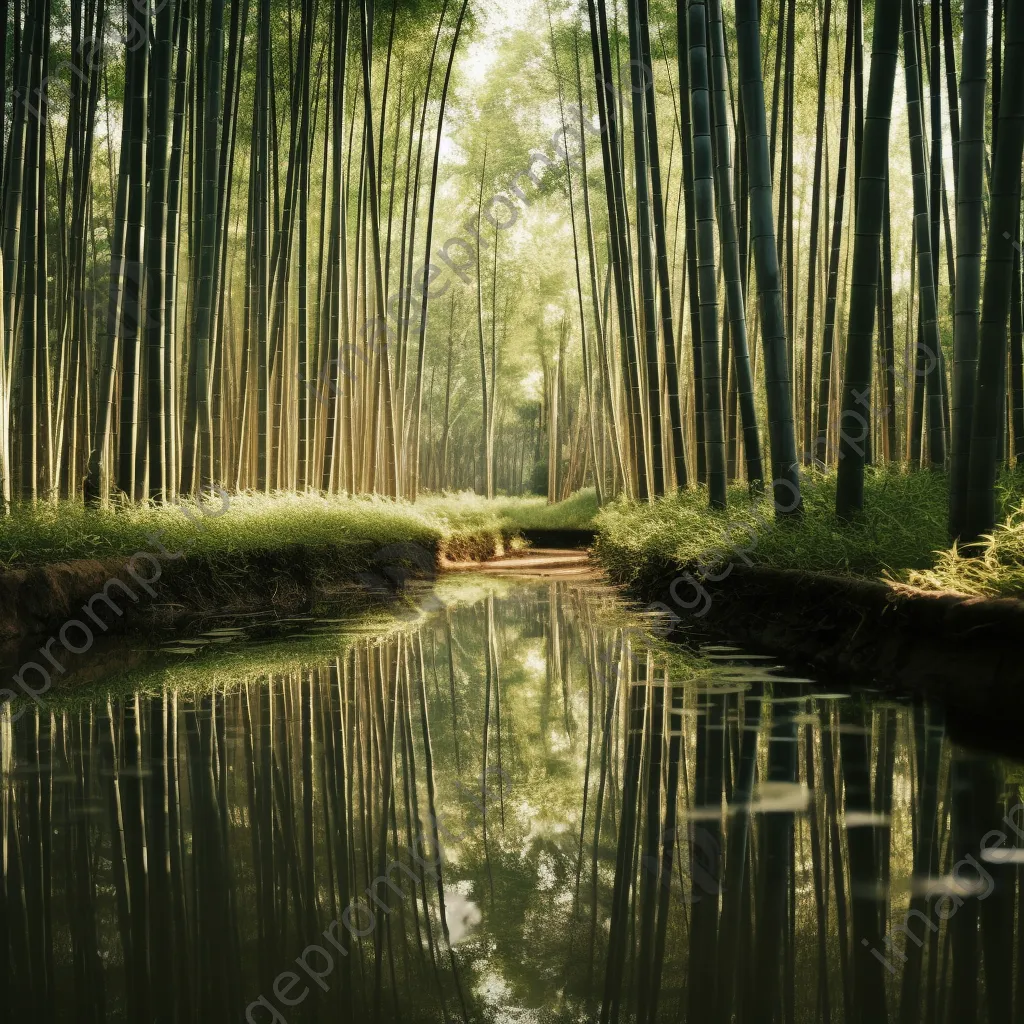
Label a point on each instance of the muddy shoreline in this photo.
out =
(148, 591)
(964, 652)
(154, 590)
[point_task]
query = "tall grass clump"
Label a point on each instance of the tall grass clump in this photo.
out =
(903, 523)
(241, 523)
(467, 511)
(248, 523)
(993, 567)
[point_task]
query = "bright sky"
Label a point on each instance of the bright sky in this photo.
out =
(495, 18)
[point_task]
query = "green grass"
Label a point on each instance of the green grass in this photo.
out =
(59, 532)
(993, 568)
(466, 511)
(902, 534)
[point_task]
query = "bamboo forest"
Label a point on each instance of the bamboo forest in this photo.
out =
(512, 511)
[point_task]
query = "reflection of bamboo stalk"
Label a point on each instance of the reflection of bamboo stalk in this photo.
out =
(450, 644)
(649, 862)
(817, 870)
(305, 693)
(159, 855)
(667, 837)
(488, 682)
(401, 914)
(360, 759)
(6, 764)
(264, 896)
(136, 852)
(285, 819)
(256, 878)
(386, 730)
(884, 774)
(84, 878)
(44, 779)
(401, 697)
(183, 929)
(775, 866)
(493, 653)
(996, 911)
(409, 784)
(625, 855)
(613, 665)
(832, 788)
(965, 789)
(323, 684)
(348, 849)
(708, 785)
(864, 916)
(341, 779)
(428, 764)
(118, 856)
(586, 769)
(417, 837)
(736, 894)
(927, 747)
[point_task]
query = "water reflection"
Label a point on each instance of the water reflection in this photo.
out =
(515, 807)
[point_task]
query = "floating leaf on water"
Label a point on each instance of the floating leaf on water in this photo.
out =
(861, 819)
(720, 688)
(1002, 855)
(708, 812)
(775, 797)
(947, 885)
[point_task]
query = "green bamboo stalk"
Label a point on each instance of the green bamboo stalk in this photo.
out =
(854, 424)
(927, 261)
(967, 301)
(703, 186)
(781, 429)
(734, 276)
(987, 426)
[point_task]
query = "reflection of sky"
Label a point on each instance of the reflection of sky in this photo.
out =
(522, 953)
(534, 662)
(463, 915)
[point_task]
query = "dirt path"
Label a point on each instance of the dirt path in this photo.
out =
(569, 563)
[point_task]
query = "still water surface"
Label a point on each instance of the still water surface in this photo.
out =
(566, 819)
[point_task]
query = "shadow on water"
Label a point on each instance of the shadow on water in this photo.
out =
(516, 805)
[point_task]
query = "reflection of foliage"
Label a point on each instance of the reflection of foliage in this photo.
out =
(295, 758)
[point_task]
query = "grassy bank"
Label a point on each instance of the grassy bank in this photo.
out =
(245, 524)
(288, 553)
(901, 535)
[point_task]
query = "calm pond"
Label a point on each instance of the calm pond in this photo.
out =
(509, 803)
